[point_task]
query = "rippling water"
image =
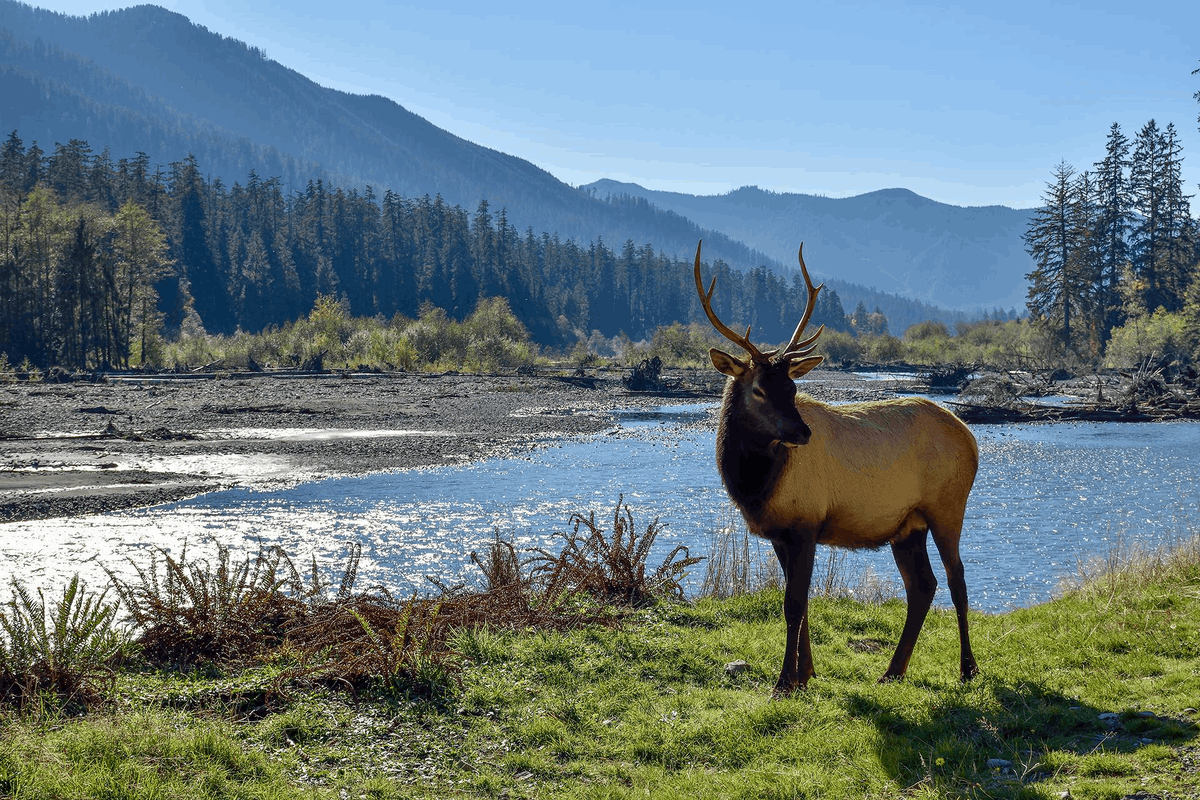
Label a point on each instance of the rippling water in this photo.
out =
(1046, 497)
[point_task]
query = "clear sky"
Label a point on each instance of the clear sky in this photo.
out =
(968, 103)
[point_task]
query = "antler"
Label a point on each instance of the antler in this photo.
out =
(706, 301)
(796, 348)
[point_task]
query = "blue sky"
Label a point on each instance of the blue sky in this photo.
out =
(970, 104)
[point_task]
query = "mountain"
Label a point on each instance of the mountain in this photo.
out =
(148, 79)
(893, 239)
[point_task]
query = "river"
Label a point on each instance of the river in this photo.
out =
(1047, 496)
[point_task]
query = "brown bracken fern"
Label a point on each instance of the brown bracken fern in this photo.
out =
(612, 568)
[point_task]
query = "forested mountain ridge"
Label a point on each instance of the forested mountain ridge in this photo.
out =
(892, 239)
(147, 79)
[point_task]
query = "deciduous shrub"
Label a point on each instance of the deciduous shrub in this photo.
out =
(1158, 336)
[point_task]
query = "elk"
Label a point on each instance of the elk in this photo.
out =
(804, 473)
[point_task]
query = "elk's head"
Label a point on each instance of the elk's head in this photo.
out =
(762, 394)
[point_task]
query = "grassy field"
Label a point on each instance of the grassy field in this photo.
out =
(646, 708)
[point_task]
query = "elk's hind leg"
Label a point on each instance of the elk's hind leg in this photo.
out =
(948, 549)
(920, 584)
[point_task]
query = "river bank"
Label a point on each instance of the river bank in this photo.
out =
(68, 449)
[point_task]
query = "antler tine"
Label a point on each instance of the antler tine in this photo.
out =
(795, 347)
(706, 301)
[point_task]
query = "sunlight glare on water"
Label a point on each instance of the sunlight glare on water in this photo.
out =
(1046, 497)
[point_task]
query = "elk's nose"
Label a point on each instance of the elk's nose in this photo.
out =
(795, 435)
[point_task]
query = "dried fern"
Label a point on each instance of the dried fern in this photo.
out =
(612, 568)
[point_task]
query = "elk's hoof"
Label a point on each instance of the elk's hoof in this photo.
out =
(969, 671)
(889, 677)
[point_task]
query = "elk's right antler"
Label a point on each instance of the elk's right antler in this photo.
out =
(796, 348)
(706, 301)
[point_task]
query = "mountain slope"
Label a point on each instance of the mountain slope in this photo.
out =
(893, 239)
(148, 79)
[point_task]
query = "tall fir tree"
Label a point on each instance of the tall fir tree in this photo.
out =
(1113, 222)
(1058, 241)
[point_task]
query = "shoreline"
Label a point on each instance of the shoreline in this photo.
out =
(132, 441)
(71, 449)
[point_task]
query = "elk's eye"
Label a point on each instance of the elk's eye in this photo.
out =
(759, 393)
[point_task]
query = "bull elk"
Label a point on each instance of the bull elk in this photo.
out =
(804, 473)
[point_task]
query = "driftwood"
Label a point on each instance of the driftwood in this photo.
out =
(1152, 410)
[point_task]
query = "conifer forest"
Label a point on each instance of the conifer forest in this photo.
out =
(100, 258)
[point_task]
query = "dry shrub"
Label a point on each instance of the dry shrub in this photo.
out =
(361, 640)
(194, 612)
(500, 564)
(611, 568)
(372, 639)
(224, 613)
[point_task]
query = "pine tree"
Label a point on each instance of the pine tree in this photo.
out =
(1161, 254)
(1179, 246)
(1113, 222)
(1057, 239)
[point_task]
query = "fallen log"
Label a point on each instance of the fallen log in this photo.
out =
(998, 415)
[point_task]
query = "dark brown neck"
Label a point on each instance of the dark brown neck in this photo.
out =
(750, 469)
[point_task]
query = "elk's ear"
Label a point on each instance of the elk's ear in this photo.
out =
(803, 366)
(726, 364)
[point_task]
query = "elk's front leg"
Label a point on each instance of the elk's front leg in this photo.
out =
(795, 553)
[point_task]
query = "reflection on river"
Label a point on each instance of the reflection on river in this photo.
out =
(1046, 497)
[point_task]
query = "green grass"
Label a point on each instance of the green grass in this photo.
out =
(647, 710)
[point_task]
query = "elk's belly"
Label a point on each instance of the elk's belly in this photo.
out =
(864, 531)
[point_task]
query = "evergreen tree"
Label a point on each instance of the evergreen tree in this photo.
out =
(12, 165)
(1113, 222)
(198, 281)
(1146, 180)
(1179, 249)
(1056, 240)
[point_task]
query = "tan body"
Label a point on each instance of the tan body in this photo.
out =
(873, 473)
(862, 475)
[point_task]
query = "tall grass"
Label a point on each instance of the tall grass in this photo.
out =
(740, 563)
(1130, 566)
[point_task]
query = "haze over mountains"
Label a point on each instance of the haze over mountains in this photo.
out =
(892, 239)
(147, 79)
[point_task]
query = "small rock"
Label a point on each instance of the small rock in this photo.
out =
(1189, 711)
(735, 668)
(1065, 795)
(1111, 721)
(1146, 714)
(998, 763)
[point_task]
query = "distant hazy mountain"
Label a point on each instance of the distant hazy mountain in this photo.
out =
(893, 239)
